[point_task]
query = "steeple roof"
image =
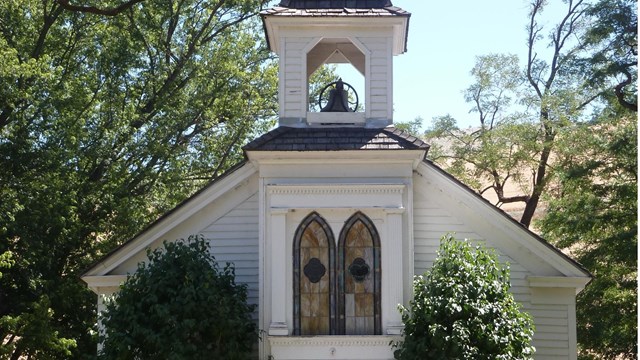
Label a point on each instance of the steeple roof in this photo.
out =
(335, 4)
(335, 139)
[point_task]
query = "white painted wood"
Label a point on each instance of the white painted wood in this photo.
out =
(489, 223)
(335, 27)
(333, 118)
(549, 299)
(383, 203)
(179, 223)
(332, 347)
(277, 242)
(359, 196)
(104, 283)
(304, 44)
(552, 338)
(344, 165)
(263, 282)
(392, 253)
(233, 238)
(577, 283)
(234, 223)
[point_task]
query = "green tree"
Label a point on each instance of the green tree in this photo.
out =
(179, 305)
(413, 127)
(593, 214)
(462, 309)
(521, 111)
(320, 78)
(613, 38)
(111, 113)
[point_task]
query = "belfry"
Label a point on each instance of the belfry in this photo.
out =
(307, 34)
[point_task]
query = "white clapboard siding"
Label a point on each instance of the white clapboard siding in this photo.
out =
(380, 75)
(552, 328)
(293, 99)
(233, 239)
(432, 220)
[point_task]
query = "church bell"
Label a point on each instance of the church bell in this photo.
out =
(338, 98)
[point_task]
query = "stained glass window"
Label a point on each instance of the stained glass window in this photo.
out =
(359, 278)
(314, 278)
(337, 296)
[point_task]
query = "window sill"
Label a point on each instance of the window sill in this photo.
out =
(376, 347)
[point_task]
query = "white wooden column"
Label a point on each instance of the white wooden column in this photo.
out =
(277, 241)
(104, 295)
(392, 266)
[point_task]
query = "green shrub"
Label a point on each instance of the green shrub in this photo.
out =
(180, 305)
(462, 309)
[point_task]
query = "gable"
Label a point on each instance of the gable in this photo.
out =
(191, 217)
(467, 213)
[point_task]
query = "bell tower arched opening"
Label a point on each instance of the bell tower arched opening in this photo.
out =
(327, 105)
(327, 73)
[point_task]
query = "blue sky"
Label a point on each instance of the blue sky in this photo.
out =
(444, 39)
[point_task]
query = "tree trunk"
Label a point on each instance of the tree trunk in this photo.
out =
(540, 181)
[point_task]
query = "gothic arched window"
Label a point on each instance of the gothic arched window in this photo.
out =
(359, 278)
(314, 278)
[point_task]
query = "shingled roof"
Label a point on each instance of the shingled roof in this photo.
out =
(335, 139)
(335, 4)
(332, 8)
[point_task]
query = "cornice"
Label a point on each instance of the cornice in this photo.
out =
(340, 189)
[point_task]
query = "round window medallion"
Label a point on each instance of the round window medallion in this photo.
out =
(314, 270)
(359, 269)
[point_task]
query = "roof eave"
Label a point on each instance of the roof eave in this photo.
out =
(400, 22)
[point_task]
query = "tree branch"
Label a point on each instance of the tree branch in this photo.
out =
(98, 11)
(534, 30)
(620, 95)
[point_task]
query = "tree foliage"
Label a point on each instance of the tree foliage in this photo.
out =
(613, 38)
(564, 128)
(320, 78)
(413, 127)
(179, 305)
(111, 112)
(593, 214)
(569, 69)
(462, 309)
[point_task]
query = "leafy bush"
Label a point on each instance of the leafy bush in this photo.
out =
(180, 305)
(462, 309)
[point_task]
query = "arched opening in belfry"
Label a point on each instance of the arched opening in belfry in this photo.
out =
(329, 60)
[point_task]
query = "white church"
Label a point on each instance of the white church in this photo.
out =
(332, 213)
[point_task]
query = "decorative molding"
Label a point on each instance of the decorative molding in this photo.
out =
(106, 282)
(336, 117)
(279, 211)
(395, 329)
(557, 282)
(356, 189)
(278, 329)
(334, 340)
(396, 211)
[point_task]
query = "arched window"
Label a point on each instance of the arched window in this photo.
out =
(359, 278)
(314, 278)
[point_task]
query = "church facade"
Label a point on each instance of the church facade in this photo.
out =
(333, 212)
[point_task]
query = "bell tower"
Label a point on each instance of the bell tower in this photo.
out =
(307, 34)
